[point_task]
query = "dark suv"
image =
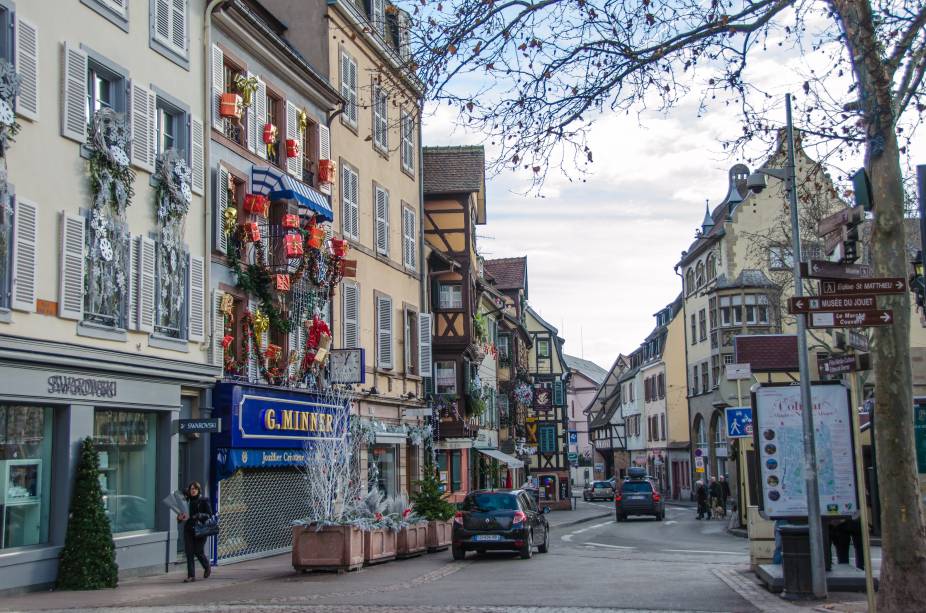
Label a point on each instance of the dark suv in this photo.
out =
(500, 519)
(638, 497)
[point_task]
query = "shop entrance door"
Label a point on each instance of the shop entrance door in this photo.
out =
(183, 459)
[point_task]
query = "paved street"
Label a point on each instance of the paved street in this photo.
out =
(642, 565)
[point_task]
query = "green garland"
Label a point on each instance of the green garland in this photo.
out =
(255, 279)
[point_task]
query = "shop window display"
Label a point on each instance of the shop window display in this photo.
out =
(383, 468)
(25, 462)
(127, 442)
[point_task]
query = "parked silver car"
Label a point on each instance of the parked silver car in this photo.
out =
(598, 490)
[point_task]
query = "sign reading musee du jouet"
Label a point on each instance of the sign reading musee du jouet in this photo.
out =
(261, 417)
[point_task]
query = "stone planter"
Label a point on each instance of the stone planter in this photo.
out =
(378, 546)
(439, 534)
(337, 548)
(412, 541)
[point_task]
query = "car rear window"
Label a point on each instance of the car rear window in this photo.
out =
(491, 502)
(602, 485)
(636, 486)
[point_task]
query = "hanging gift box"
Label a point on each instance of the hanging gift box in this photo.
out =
(339, 247)
(231, 106)
(251, 231)
(324, 344)
(282, 282)
(348, 268)
(292, 148)
(290, 221)
(316, 237)
(326, 171)
(257, 204)
(227, 340)
(272, 352)
(293, 243)
(270, 133)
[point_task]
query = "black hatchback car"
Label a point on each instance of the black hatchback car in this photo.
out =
(500, 520)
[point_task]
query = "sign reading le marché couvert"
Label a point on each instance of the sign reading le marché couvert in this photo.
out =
(275, 418)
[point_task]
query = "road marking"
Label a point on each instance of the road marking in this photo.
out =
(669, 522)
(568, 537)
(609, 546)
(729, 553)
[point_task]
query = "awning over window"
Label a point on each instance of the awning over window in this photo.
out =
(512, 462)
(277, 185)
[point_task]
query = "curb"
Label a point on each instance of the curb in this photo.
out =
(580, 521)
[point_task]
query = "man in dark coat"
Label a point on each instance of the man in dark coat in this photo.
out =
(724, 491)
(715, 492)
(701, 498)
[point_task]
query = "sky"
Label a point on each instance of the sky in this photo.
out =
(601, 254)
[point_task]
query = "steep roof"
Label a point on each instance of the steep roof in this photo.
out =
(509, 273)
(589, 369)
(453, 170)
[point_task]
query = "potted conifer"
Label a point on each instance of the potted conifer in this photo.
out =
(431, 505)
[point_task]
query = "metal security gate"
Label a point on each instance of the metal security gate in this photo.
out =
(256, 507)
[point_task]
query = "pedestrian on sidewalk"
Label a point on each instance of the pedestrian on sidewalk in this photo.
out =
(716, 494)
(701, 498)
(200, 511)
(724, 492)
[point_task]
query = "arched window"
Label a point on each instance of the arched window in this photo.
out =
(689, 281)
(711, 267)
(719, 440)
(699, 275)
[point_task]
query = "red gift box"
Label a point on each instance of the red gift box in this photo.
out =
(282, 282)
(339, 247)
(257, 204)
(251, 231)
(291, 221)
(326, 171)
(292, 148)
(316, 237)
(293, 245)
(272, 352)
(227, 340)
(270, 133)
(231, 106)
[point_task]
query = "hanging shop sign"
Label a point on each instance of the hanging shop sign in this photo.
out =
(199, 426)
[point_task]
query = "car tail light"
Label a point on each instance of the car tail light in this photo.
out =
(519, 517)
(458, 518)
(655, 496)
(617, 497)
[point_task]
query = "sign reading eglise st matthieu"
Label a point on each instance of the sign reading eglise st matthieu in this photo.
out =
(883, 285)
(809, 304)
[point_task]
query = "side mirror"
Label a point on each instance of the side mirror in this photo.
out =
(546, 510)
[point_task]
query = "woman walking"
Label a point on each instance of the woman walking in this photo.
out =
(701, 498)
(200, 511)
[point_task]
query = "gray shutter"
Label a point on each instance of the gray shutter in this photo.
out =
(27, 65)
(144, 127)
(25, 260)
(293, 165)
(409, 238)
(71, 280)
(352, 80)
(196, 298)
(196, 156)
(350, 306)
(382, 221)
(355, 204)
(324, 153)
(260, 111)
(73, 93)
(253, 373)
(252, 122)
(221, 204)
(424, 345)
(217, 353)
(146, 284)
(178, 30)
(132, 280)
(218, 85)
(384, 332)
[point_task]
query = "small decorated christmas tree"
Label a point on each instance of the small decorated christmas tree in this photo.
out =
(429, 501)
(88, 560)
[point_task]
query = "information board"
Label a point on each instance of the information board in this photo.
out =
(919, 431)
(779, 438)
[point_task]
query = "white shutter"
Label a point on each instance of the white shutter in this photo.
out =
(350, 306)
(146, 284)
(218, 85)
(382, 221)
(355, 204)
(217, 352)
(384, 332)
(253, 372)
(294, 337)
(71, 279)
(293, 165)
(424, 344)
(27, 65)
(73, 93)
(409, 239)
(260, 111)
(132, 280)
(349, 206)
(353, 90)
(196, 298)
(252, 120)
(144, 127)
(349, 87)
(324, 153)
(170, 24)
(196, 153)
(25, 260)
(379, 15)
(221, 204)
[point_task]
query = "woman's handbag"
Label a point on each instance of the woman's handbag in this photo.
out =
(208, 527)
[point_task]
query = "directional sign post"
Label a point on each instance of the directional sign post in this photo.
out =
(821, 269)
(851, 319)
(881, 285)
(809, 304)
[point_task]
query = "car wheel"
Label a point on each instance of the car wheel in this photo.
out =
(545, 547)
(458, 553)
(527, 552)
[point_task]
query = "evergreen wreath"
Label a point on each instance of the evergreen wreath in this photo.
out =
(172, 198)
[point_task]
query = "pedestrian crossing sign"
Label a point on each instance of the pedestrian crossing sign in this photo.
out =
(739, 422)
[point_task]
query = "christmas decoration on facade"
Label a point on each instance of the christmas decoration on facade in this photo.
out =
(172, 197)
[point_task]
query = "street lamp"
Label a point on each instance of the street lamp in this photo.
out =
(756, 183)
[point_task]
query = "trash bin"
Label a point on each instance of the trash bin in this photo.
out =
(795, 554)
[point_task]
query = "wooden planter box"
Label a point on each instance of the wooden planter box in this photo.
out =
(439, 534)
(412, 541)
(378, 546)
(331, 548)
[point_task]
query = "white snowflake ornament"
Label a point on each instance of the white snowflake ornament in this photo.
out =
(106, 249)
(7, 117)
(119, 155)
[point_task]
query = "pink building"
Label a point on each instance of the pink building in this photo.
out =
(584, 380)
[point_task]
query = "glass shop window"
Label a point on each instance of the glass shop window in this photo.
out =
(25, 474)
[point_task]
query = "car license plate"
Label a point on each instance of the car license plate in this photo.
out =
(487, 537)
(638, 497)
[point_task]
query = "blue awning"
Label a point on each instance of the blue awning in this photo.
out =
(277, 185)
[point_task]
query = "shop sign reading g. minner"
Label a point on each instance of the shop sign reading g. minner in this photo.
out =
(276, 418)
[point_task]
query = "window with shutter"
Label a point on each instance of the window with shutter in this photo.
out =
(384, 332)
(260, 113)
(412, 344)
(350, 315)
(27, 66)
(324, 153)
(169, 24)
(293, 164)
(559, 393)
(380, 119)
(409, 238)
(546, 436)
(252, 371)
(132, 281)
(378, 15)
(147, 266)
(424, 345)
(218, 86)
(144, 128)
(381, 206)
(349, 88)
(221, 205)
(25, 256)
(74, 93)
(407, 127)
(71, 270)
(251, 117)
(196, 316)
(350, 205)
(197, 166)
(217, 351)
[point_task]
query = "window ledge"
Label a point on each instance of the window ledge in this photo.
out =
(92, 330)
(171, 344)
(181, 60)
(6, 316)
(409, 172)
(111, 15)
